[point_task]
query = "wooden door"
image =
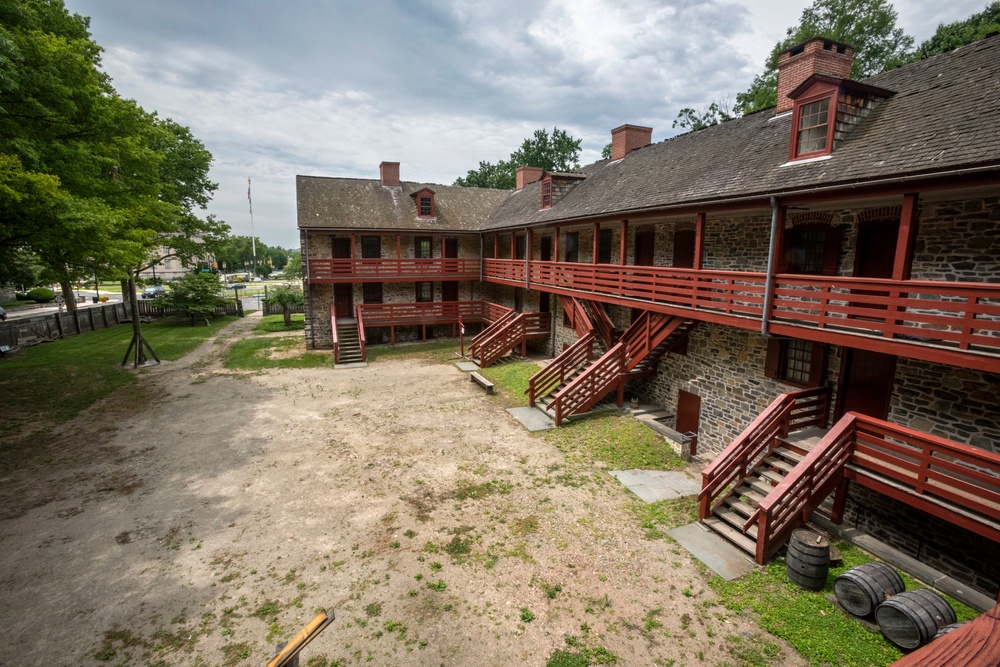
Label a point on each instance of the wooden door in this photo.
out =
(684, 249)
(451, 248)
(340, 247)
(866, 380)
(689, 416)
(343, 300)
(645, 245)
(449, 290)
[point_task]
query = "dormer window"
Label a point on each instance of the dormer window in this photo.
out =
(547, 192)
(424, 200)
(813, 130)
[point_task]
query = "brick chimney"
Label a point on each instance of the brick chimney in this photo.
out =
(528, 175)
(815, 56)
(389, 173)
(627, 138)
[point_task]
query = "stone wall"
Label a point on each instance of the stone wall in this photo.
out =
(958, 241)
(960, 553)
(954, 403)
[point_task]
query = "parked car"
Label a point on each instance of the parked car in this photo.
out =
(153, 292)
(237, 286)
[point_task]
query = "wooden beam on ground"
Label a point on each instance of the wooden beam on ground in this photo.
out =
(299, 641)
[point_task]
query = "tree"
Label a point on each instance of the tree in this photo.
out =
(691, 120)
(197, 295)
(556, 152)
(286, 297)
(293, 267)
(976, 27)
(867, 25)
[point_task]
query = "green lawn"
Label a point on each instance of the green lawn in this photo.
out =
(276, 323)
(51, 383)
(252, 354)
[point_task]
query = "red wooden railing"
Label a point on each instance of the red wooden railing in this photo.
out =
(920, 317)
(392, 269)
(434, 312)
(362, 340)
(645, 334)
(577, 315)
(952, 481)
(560, 368)
(603, 326)
(336, 341)
(506, 334)
(789, 412)
(587, 388)
(490, 332)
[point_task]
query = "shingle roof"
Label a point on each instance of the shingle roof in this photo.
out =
(945, 114)
(354, 203)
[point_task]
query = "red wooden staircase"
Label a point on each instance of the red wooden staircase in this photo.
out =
(785, 465)
(574, 382)
(512, 330)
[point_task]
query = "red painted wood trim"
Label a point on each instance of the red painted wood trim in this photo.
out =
(699, 240)
(972, 645)
(597, 234)
(623, 253)
(907, 238)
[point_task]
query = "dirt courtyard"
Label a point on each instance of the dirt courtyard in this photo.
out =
(214, 519)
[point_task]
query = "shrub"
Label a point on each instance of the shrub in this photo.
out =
(41, 295)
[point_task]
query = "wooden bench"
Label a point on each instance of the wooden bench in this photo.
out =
(482, 382)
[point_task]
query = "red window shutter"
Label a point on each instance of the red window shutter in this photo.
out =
(817, 364)
(772, 362)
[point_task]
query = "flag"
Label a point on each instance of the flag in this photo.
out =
(249, 201)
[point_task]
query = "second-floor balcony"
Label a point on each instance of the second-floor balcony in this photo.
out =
(948, 322)
(392, 270)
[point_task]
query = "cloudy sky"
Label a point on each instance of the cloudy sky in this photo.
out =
(334, 87)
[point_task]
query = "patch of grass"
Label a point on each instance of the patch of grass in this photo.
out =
(260, 353)
(524, 526)
(52, 383)
(819, 631)
(233, 654)
(267, 611)
(620, 442)
(274, 323)
(373, 609)
(438, 586)
(753, 651)
(458, 547)
(581, 656)
(511, 379)
(443, 350)
(527, 615)
(469, 490)
(663, 515)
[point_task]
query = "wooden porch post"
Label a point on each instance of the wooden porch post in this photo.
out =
(496, 246)
(839, 501)
(513, 245)
(699, 240)
(623, 255)
(555, 246)
(399, 247)
(529, 240)
(903, 261)
(597, 234)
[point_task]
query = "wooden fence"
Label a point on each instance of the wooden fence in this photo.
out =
(52, 326)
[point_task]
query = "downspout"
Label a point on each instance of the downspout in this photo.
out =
(769, 276)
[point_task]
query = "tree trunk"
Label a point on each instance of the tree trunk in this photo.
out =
(133, 300)
(286, 310)
(68, 296)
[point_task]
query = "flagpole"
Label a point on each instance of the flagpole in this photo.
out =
(253, 237)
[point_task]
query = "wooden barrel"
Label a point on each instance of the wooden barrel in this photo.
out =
(911, 619)
(808, 560)
(863, 588)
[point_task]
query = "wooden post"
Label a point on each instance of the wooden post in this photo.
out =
(623, 255)
(399, 248)
(555, 246)
(513, 245)
(903, 261)
(529, 240)
(699, 240)
(597, 245)
(496, 246)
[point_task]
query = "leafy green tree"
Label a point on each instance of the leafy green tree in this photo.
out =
(552, 152)
(953, 35)
(691, 120)
(197, 295)
(287, 298)
(236, 253)
(867, 25)
(293, 268)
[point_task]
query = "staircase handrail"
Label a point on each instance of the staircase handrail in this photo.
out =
(542, 382)
(503, 341)
(645, 334)
(589, 386)
(789, 412)
(578, 316)
(490, 331)
(790, 503)
(336, 343)
(362, 339)
(601, 323)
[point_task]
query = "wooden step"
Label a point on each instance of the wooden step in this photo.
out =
(779, 463)
(731, 535)
(787, 454)
(752, 495)
(736, 521)
(759, 485)
(772, 476)
(743, 509)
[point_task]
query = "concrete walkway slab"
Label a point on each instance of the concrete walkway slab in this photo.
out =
(467, 366)
(532, 419)
(720, 556)
(654, 485)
